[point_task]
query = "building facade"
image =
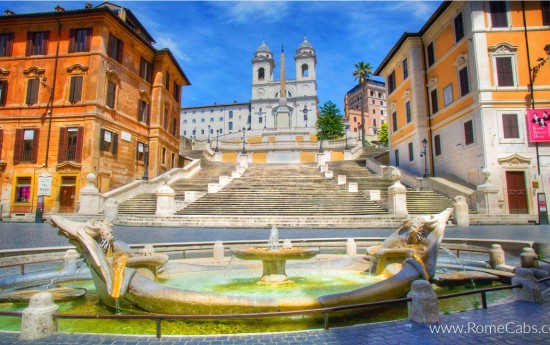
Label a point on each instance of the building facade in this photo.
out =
(374, 107)
(83, 91)
(263, 112)
(463, 86)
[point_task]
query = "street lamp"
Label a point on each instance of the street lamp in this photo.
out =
(244, 140)
(49, 113)
(347, 147)
(218, 131)
(424, 154)
(260, 113)
(209, 134)
(305, 114)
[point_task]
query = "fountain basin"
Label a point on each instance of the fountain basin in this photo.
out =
(274, 260)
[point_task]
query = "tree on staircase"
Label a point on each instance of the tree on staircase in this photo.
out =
(329, 123)
(383, 134)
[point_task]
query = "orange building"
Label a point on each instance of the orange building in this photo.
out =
(374, 107)
(83, 91)
(463, 85)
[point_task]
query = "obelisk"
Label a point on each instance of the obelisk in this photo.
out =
(283, 113)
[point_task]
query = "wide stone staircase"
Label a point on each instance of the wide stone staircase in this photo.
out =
(283, 190)
(418, 202)
(146, 203)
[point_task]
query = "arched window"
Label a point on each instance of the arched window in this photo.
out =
(305, 70)
(261, 73)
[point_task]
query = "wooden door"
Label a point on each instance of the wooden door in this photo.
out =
(66, 199)
(517, 196)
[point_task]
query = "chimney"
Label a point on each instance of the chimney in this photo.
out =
(59, 9)
(9, 13)
(88, 6)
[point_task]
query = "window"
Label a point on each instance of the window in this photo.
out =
(37, 43)
(435, 106)
(437, 144)
(391, 82)
(305, 70)
(408, 111)
(32, 91)
(1, 140)
(108, 141)
(3, 91)
(230, 114)
(202, 131)
(499, 17)
(140, 152)
(448, 95)
(176, 92)
(173, 161)
(459, 27)
(396, 157)
(468, 132)
(23, 190)
(194, 121)
(374, 122)
(545, 12)
(165, 120)
(394, 121)
(260, 119)
(203, 120)
(220, 119)
(510, 126)
(372, 93)
(167, 84)
(380, 95)
(6, 44)
(374, 111)
(411, 152)
(80, 40)
(163, 157)
(261, 73)
(230, 124)
(405, 69)
(431, 54)
(505, 73)
(111, 94)
(75, 91)
(211, 119)
(146, 70)
(381, 102)
(144, 111)
(115, 48)
(26, 145)
(184, 122)
(70, 144)
(174, 126)
(464, 81)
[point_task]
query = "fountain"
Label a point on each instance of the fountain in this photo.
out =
(274, 257)
(128, 280)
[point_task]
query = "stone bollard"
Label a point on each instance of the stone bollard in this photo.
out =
(213, 187)
(329, 174)
(353, 187)
(496, 256)
(529, 258)
(165, 201)
(530, 290)
(37, 320)
(461, 214)
(351, 247)
(70, 261)
(89, 197)
(218, 251)
(324, 168)
(397, 199)
(287, 244)
(341, 179)
(110, 210)
(423, 308)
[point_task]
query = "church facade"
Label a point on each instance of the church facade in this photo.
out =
(274, 105)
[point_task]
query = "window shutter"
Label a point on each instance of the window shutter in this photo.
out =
(45, 42)
(101, 139)
(75, 91)
(18, 147)
(28, 50)
(110, 45)
(1, 140)
(142, 68)
(72, 40)
(88, 39)
(62, 148)
(148, 120)
(79, 144)
(120, 51)
(114, 144)
(3, 91)
(9, 46)
(29, 91)
(35, 142)
(111, 89)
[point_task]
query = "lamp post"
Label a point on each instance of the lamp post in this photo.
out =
(244, 140)
(347, 146)
(208, 141)
(424, 154)
(145, 162)
(49, 114)
(260, 113)
(218, 131)
(305, 114)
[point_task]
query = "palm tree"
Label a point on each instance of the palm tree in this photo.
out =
(362, 73)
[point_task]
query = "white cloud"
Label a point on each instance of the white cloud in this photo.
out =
(246, 12)
(167, 42)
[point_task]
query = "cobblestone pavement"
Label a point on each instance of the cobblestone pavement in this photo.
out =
(29, 235)
(510, 323)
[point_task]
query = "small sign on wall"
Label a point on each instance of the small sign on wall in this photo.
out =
(126, 136)
(45, 184)
(538, 123)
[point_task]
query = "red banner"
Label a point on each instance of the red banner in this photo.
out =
(538, 125)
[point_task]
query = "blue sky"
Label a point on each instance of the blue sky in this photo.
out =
(214, 41)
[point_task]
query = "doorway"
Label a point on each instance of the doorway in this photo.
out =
(517, 195)
(67, 193)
